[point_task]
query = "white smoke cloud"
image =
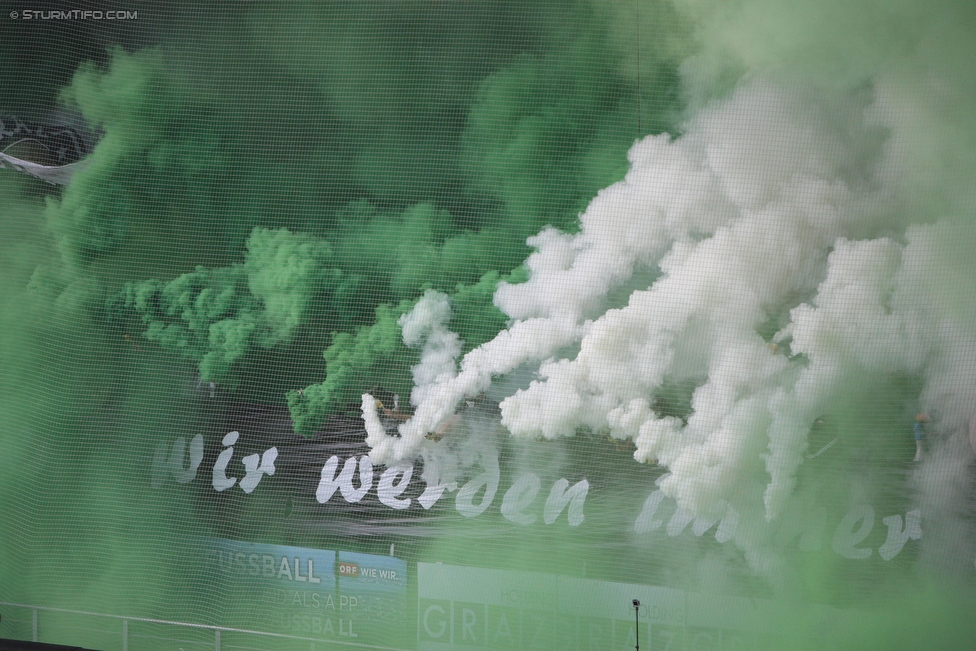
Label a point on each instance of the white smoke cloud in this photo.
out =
(739, 225)
(740, 214)
(426, 324)
(806, 237)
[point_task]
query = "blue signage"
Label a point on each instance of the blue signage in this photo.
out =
(311, 593)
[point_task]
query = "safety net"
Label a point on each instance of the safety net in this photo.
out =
(433, 325)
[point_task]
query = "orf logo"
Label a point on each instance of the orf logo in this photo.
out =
(348, 569)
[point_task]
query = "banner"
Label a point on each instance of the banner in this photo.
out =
(327, 484)
(323, 594)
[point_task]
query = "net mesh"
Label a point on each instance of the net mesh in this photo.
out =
(508, 325)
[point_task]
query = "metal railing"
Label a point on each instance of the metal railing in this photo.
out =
(316, 644)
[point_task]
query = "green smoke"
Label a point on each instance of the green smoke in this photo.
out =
(271, 189)
(424, 167)
(276, 184)
(215, 317)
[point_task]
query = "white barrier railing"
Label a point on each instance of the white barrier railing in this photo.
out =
(316, 644)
